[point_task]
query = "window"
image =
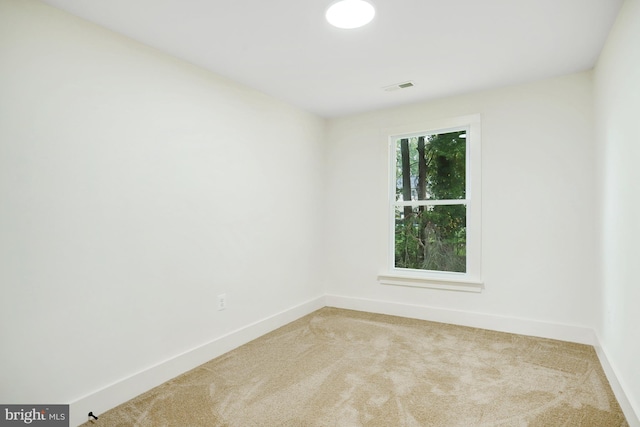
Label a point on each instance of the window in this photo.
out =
(434, 236)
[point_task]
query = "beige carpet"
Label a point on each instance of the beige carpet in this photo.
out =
(345, 368)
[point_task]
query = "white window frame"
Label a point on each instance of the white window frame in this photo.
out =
(471, 280)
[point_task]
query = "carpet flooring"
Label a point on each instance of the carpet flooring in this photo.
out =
(339, 367)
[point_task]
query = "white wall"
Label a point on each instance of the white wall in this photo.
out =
(539, 219)
(134, 188)
(617, 90)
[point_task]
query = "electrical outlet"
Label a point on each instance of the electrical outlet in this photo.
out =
(222, 301)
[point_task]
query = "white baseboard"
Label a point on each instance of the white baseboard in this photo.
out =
(128, 388)
(632, 414)
(493, 322)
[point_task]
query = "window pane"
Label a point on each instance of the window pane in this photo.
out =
(431, 237)
(431, 167)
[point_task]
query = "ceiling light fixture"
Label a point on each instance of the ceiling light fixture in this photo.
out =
(350, 14)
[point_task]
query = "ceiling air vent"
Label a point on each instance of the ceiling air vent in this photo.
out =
(397, 86)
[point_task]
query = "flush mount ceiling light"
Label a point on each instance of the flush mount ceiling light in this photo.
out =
(350, 14)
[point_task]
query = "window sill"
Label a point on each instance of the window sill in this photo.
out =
(444, 283)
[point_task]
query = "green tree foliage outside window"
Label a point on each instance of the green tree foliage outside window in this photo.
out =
(430, 231)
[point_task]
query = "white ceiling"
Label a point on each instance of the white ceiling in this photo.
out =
(286, 49)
